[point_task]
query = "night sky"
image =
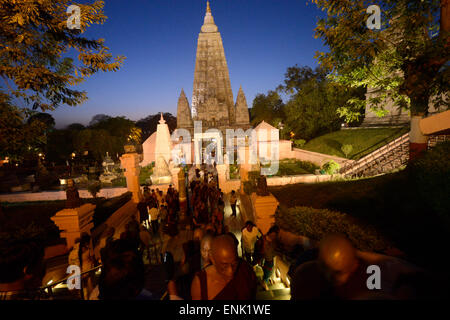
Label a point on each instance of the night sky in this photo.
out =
(159, 37)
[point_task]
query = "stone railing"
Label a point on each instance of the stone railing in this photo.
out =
(384, 159)
(303, 178)
(318, 158)
(58, 195)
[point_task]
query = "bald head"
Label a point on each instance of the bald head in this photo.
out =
(224, 256)
(223, 245)
(338, 256)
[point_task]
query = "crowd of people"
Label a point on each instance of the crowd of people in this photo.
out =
(211, 267)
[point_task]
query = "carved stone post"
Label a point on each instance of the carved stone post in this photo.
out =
(130, 162)
(72, 222)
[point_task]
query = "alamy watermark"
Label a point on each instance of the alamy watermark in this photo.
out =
(374, 20)
(374, 280)
(74, 281)
(73, 22)
(252, 147)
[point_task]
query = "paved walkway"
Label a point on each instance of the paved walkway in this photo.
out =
(174, 244)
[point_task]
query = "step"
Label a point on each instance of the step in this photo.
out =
(279, 294)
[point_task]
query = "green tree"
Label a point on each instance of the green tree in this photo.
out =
(35, 68)
(96, 141)
(405, 60)
(59, 146)
(18, 139)
(75, 127)
(312, 107)
(46, 120)
(347, 149)
(267, 107)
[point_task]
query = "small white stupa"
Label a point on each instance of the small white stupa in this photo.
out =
(161, 172)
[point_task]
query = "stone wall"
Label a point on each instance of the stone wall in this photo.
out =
(229, 185)
(58, 195)
(303, 178)
(317, 158)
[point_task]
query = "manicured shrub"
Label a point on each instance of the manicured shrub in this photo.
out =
(431, 177)
(331, 167)
(316, 223)
(347, 149)
(299, 143)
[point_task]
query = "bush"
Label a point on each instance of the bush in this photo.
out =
(317, 223)
(145, 174)
(331, 167)
(347, 149)
(234, 171)
(299, 143)
(431, 177)
(119, 182)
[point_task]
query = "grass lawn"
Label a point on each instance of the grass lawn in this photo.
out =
(295, 167)
(388, 202)
(363, 141)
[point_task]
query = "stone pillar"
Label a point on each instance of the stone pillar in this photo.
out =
(264, 208)
(130, 162)
(222, 174)
(73, 222)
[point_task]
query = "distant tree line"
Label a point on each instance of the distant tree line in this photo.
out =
(88, 143)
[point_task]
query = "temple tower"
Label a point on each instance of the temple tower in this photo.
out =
(184, 118)
(212, 97)
(242, 117)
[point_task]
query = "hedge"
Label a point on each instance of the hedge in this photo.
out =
(316, 223)
(430, 175)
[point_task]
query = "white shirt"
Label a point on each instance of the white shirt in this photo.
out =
(249, 239)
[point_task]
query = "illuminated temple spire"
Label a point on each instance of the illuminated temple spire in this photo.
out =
(212, 97)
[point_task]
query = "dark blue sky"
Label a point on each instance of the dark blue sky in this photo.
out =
(261, 39)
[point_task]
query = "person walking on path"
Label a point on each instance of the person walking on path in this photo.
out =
(154, 216)
(250, 234)
(233, 201)
(270, 243)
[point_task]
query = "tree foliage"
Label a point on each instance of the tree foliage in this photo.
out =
(404, 61)
(267, 107)
(312, 107)
(36, 70)
(18, 139)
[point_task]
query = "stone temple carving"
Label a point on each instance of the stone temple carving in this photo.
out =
(212, 97)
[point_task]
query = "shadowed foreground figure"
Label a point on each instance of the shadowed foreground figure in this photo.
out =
(337, 274)
(123, 273)
(340, 272)
(228, 278)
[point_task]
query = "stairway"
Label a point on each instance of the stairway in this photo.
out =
(277, 290)
(385, 159)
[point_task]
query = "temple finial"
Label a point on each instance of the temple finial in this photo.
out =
(208, 24)
(162, 121)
